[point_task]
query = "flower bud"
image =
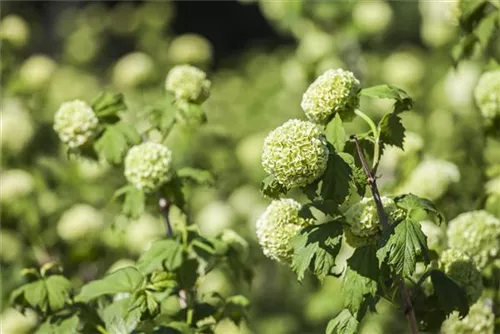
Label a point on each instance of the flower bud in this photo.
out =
(479, 320)
(476, 233)
(76, 123)
(486, 94)
(461, 268)
(148, 166)
(188, 83)
(335, 91)
(277, 226)
(36, 71)
(132, 70)
(14, 30)
(80, 221)
(295, 153)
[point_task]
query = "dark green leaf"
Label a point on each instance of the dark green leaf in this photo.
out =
(410, 202)
(187, 273)
(343, 323)
(403, 100)
(178, 327)
(316, 247)
(402, 245)
(122, 280)
(60, 326)
(115, 142)
(450, 295)
(134, 203)
(360, 278)
(472, 12)
(392, 131)
(335, 180)
(107, 105)
(119, 317)
(271, 188)
(164, 252)
(335, 133)
(487, 28)
(198, 176)
(173, 192)
(235, 308)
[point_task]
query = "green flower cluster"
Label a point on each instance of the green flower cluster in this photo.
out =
(16, 184)
(188, 83)
(133, 70)
(277, 226)
(480, 320)
(81, 220)
(16, 127)
(460, 267)
(476, 233)
(436, 237)
(76, 123)
(190, 49)
(363, 225)
(148, 166)
(335, 91)
(295, 153)
(486, 94)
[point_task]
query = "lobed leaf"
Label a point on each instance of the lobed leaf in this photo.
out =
(343, 323)
(335, 133)
(403, 100)
(164, 252)
(114, 143)
(410, 202)
(450, 295)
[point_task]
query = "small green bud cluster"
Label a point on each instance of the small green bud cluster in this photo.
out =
(148, 166)
(188, 83)
(476, 233)
(277, 226)
(461, 268)
(295, 153)
(78, 222)
(335, 91)
(363, 224)
(479, 320)
(76, 123)
(487, 94)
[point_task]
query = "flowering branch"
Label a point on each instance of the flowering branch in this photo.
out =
(408, 306)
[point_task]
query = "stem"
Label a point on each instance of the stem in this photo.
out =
(164, 205)
(168, 129)
(376, 135)
(405, 295)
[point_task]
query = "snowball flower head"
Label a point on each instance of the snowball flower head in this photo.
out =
(76, 123)
(36, 71)
(132, 70)
(188, 83)
(461, 268)
(16, 126)
(148, 166)
(295, 153)
(141, 233)
(487, 94)
(335, 91)
(432, 178)
(15, 184)
(14, 30)
(190, 49)
(372, 17)
(363, 225)
(479, 320)
(277, 226)
(493, 186)
(476, 233)
(79, 222)
(436, 237)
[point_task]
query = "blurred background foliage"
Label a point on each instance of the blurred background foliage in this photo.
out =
(261, 56)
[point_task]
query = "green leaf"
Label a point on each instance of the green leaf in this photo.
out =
(107, 105)
(60, 326)
(177, 327)
(47, 294)
(198, 176)
(335, 133)
(450, 295)
(487, 28)
(316, 247)
(335, 180)
(164, 252)
(360, 278)
(235, 308)
(410, 202)
(58, 291)
(119, 317)
(115, 142)
(343, 323)
(392, 131)
(173, 192)
(403, 100)
(472, 12)
(122, 280)
(134, 203)
(271, 188)
(464, 48)
(402, 245)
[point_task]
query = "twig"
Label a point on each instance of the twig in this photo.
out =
(164, 205)
(405, 295)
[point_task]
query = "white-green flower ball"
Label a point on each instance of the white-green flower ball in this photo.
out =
(487, 94)
(461, 268)
(372, 17)
(14, 322)
(15, 184)
(335, 91)
(363, 224)
(295, 153)
(141, 233)
(493, 186)
(480, 320)
(277, 226)
(314, 46)
(404, 69)
(78, 222)
(436, 237)
(16, 126)
(10, 246)
(133, 70)
(215, 217)
(188, 83)
(431, 179)
(148, 166)
(36, 71)
(476, 233)
(76, 123)
(14, 30)
(190, 49)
